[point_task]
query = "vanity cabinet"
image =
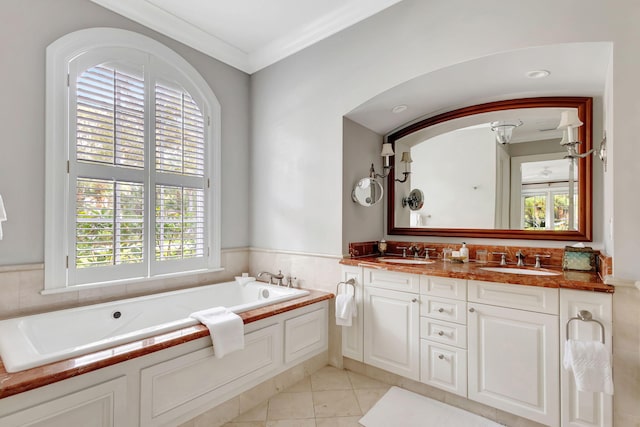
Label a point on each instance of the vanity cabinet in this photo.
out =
(443, 333)
(391, 322)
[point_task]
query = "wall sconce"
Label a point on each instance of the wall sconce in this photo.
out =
(406, 159)
(504, 130)
(569, 121)
(387, 151)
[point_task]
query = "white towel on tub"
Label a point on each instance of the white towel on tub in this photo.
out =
(226, 329)
(591, 365)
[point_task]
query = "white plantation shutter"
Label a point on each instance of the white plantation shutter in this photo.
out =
(132, 162)
(110, 117)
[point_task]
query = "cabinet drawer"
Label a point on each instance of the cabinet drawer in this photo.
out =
(444, 287)
(443, 332)
(443, 367)
(392, 280)
(532, 298)
(444, 309)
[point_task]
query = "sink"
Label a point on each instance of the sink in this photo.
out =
(513, 270)
(406, 261)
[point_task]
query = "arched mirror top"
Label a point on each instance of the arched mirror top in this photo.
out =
(495, 170)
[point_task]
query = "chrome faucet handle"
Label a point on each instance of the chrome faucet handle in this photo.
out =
(503, 258)
(278, 277)
(538, 256)
(404, 250)
(426, 252)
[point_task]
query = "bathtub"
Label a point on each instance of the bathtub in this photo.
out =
(30, 341)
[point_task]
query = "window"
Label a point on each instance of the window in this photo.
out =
(132, 162)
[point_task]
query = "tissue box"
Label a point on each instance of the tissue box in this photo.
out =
(580, 259)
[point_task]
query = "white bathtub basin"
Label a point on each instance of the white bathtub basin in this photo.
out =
(515, 270)
(406, 261)
(30, 341)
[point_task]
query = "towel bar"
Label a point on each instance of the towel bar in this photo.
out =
(585, 316)
(351, 282)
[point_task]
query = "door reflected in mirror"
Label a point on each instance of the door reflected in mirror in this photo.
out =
(494, 169)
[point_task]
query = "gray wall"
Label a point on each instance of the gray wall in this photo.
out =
(361, 148)
(27, 27)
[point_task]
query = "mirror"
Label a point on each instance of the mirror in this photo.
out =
(367, 192)
(494, 170)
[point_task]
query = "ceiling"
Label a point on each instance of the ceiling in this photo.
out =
(247, 34)
(577, 69)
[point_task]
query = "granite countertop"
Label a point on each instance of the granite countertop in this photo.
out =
(580, 280)
(18, 382)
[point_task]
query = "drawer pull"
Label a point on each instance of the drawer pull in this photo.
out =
(414, 300)
(441, 356)
(441, 333)
(441, 310)
(471, 310)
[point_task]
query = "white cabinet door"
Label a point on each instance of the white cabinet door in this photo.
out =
(103, 405)
(352, 336)
(582, 409)
(391, 331)
(514, 361)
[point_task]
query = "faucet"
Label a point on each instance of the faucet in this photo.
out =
(415, 249)
(538, 256)
(278, 277)
(520, 256)
(404, 250)
(426, 252)
(503, 258)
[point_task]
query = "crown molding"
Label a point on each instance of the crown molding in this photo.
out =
(158, 19)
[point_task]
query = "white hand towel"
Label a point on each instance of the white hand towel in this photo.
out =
(3, 215)
(591, 365)
(346, 309)
(226, 329)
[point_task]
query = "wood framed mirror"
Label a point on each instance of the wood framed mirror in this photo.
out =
(476, 186)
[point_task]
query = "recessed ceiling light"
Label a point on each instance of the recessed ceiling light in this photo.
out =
(399, 108)
(538, 74)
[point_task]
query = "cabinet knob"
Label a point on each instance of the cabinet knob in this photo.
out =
(414, 300)
(441, 356)
(441, 310)
(441, 333)
(472, 310)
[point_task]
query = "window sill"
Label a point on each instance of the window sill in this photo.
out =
(86, 286)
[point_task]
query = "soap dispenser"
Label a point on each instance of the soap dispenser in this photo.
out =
(464, 252)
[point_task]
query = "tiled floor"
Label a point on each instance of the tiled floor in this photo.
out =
(329, 398)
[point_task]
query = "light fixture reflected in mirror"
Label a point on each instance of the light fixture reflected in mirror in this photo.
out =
(569, 121)
(504, 130)
(406, 159)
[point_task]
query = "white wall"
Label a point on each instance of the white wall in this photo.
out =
(298, 103)
(462, 196)
(27, 27)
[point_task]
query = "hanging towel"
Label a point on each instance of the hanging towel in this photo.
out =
(3, 215)
(226, 328)
(591, 365)
(346, 309)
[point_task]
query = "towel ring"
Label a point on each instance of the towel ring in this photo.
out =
(351, 282)
(585, 316)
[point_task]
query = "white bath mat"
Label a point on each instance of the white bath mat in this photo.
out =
(399, 407)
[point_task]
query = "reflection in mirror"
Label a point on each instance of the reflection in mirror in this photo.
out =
(367, 192)
(494, 169)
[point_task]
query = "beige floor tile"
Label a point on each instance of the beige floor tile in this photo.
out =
(330, 378)
(304, 385)
(246, 424)
(338, 422)
(259, 413)
(309, 422)
(335, 403)
(360, 381)
(287, 406)
(368, 397)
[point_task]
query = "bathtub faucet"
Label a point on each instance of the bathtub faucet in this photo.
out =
(277, 277)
